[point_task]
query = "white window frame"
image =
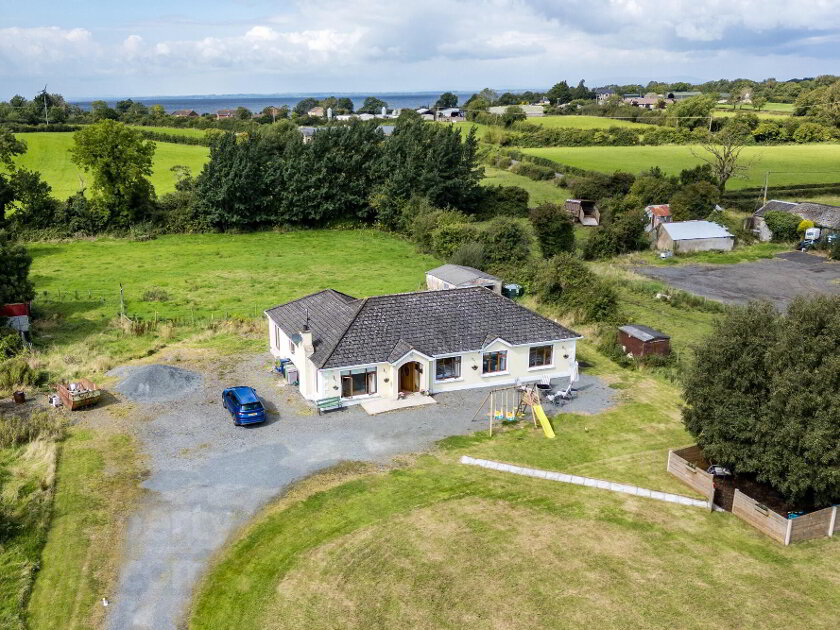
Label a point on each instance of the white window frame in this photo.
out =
(544, 366)
(449, 379)
(504, 370)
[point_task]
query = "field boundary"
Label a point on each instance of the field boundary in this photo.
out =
(589, 482)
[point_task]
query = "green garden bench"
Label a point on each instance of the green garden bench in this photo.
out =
(328, 404)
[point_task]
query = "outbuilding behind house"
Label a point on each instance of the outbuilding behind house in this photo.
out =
(639, 341)
(694, 236)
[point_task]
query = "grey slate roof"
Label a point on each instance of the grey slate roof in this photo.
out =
(823, 215)
(644, 333)
(459, 274)
(776, 206)
(347, 331)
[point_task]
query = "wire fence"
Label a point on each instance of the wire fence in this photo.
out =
(148, 307)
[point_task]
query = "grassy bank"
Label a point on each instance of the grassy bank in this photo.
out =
(539, 192)
(790, 164)
(48, 153)
(438, 544)
(98, 479)
(27, 474)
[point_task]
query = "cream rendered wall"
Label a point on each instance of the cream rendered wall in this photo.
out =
(307, 372)
(517, 367)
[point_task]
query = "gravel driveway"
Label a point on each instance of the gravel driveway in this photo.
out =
(208, 477)
(778, 280)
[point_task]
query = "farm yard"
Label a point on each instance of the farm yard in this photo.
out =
(49, 154)
(789, 164)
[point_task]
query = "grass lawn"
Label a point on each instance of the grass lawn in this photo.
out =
(27, 474)
(203, 276)
(790, 164)
(49, 154)
(98, 475)
(539, 191)
(435, 544)
(771, 107)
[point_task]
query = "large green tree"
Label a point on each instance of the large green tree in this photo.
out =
(560, 93)
(120, 161)
(763, 397)
(9, 148)
(372, 105)
(554, 229)
(15, 261)
(447, 100)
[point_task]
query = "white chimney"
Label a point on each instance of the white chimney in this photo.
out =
(329, 113)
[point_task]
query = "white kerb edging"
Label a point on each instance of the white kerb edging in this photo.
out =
(577, 480)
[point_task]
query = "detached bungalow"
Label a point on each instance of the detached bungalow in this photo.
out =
(432, 341)
(185, 113)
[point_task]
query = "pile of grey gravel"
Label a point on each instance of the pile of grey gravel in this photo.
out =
(156, 383)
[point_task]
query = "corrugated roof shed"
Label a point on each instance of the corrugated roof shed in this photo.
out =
(660, 210)
(692, 230)
(458, 274)
(643, 333)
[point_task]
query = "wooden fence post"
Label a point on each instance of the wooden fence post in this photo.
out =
(833, 522)
(787, 533)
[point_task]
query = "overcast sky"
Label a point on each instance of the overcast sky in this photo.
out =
(174, 47)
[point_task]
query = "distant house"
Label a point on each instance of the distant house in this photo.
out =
(824, 216)
(583, 210)
(679, 96)
(428, 341)
(602, 94)
(450, 114)
(308, 133)
(185, 113)
(460, 276)
(225, 113)
(530, 110)
(694, 236)
(639, 341)
(318, 112)
(423, 110)
(647, 102)
(388, 130)
(657, 215)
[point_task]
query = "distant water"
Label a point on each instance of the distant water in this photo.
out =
(256, 103)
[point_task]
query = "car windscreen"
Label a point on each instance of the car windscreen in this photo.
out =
(251, 406)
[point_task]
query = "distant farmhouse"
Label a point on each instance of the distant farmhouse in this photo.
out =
(602, 94)
(225, 113)
(824, 216)
(185, 113)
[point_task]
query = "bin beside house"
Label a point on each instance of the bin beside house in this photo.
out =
(639, 341)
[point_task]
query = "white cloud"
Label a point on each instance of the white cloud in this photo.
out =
(436, 41)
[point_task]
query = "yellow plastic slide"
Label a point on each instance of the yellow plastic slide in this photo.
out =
(546, 425)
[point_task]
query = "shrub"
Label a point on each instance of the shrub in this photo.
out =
(804, 224)
(469, 254)
(811, 132)
(623, 235)
(505, 242)
(553, 228)
(534, 171)
(782, 225)
(15, 431)
(509, 201)
(835, 249)
(15, 372)
(448, 238)
(10, 342)
(423, 224)
(567, 283)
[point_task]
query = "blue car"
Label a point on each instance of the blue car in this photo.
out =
(244, 405)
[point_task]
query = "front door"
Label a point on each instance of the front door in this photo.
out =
(410, 377)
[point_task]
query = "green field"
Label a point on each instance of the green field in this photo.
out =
(176, 131)
(582, 122)
(539, 191)
(48, 153)
(436, 544)
(790, 164)
(773, 108)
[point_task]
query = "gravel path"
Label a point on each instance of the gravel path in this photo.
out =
(778, 280)
(208, 477)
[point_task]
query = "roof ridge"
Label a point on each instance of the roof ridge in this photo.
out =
(323, 361)
(540, 315)
(303, 297)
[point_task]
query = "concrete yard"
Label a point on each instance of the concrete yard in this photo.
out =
(208, 477)
(778, 280)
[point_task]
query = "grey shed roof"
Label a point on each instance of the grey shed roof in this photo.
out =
(347, 331)
(690, 230)
(460, 274)
(643, 333)
(821, 214)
